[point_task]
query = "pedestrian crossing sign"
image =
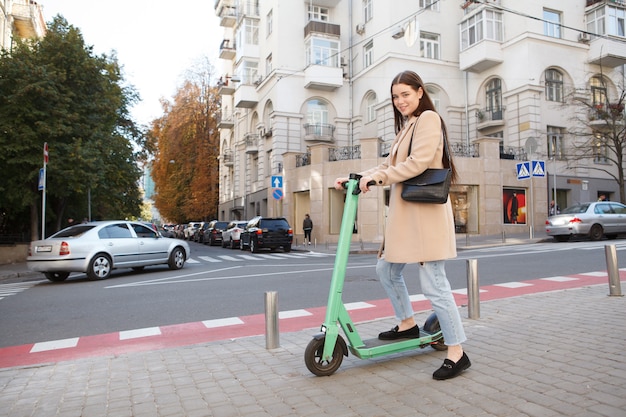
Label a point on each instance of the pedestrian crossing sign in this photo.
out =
(523, 170)
(539, 168)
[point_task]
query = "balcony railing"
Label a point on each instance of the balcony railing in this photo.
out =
(252, 142)
(303, 159)
(319, 132)
(228, 158)
(464, 150)
(511, 152)
(344, 153)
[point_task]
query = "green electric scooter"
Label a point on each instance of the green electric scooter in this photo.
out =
(325, 352)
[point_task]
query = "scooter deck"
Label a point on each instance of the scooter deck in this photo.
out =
(376, 347)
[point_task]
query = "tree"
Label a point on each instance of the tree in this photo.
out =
(185, 167)
(56, 90)
(600, 131)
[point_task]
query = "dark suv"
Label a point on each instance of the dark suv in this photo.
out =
(267, 232)
(211, 233)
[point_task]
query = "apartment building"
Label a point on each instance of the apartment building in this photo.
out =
(306, 98)
(20, 18)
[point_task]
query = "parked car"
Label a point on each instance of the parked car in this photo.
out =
(96, 248)
(266, 232)
(595, 219)
(168, 230)
(197, 232)
(230, 236)
(190, 230)
(213, 232)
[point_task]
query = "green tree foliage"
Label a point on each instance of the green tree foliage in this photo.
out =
(185, 168)
(56, 90)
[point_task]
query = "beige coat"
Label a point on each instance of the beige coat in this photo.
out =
(415, 232)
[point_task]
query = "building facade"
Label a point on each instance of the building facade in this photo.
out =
(22, 19)
(306, 98)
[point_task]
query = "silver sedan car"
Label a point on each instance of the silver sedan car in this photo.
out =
(96, 248)
(595, 220)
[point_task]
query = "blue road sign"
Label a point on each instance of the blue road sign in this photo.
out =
(523, 170)
(40, 186)
(277, 193)
(539, 168)
(277, 181)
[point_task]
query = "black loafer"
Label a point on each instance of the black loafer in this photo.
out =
(450, 369)
(393, 334)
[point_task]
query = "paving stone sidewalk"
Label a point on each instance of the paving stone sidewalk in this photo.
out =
(548, 354)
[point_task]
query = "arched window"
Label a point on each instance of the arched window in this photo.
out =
(598, 91)
(554, 85)
(493, 97)
(317, 117)
(371, 107)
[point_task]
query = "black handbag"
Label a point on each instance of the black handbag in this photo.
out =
(432, 185)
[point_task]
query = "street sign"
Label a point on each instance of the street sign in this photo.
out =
(277, 181)
(277, 194)
(523, 170)
(41, 177)
(539, 168)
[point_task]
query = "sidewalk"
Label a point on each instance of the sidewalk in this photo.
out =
(557, 353)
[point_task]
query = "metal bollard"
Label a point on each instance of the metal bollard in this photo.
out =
(271, 320)
(611, 266)
(473, 290)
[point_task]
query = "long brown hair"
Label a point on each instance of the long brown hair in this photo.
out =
(414, 81)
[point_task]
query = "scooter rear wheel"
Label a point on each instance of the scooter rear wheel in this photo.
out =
(315, 363)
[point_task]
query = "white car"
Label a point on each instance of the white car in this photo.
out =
(593, 219)
(96, 248)
(191, 229)
(232, 233)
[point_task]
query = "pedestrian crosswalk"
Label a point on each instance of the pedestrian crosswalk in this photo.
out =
(14, 288)
(254, 257)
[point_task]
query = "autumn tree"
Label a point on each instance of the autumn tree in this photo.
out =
(185, 169)
(599, 131)
(56, 90)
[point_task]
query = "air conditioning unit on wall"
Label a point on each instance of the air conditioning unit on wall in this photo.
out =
(360, 28)
(584, 37)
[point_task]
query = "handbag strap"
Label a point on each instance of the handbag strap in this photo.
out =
(446, 151)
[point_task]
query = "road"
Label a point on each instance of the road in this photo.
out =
(218, 283)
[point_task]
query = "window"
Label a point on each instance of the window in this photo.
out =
(555, 142)
(484, 25)
(317, 117)
(321, 51)
(552, 23)
(268, 64)
(616, 18)
(598, 91)
(595, 22)
(368, 10)
(430, 4)
(368, 53)
(115, 231)
(429, 45)
(600, 155)
(493, 96)
(269, 23)
(371, 108)
(554, 85)
(249, 71)
(433, 93)
(318, 13)
(251, 32)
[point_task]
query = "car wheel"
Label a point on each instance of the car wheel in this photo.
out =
(287, 248)
(177, 259)
(232, 244)
(596, 232)
(561, 238)
(223, 243)
(241, 246)
(99, 267)
(253, 246)
(57, 276)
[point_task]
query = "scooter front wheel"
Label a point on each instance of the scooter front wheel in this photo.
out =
(314, 361)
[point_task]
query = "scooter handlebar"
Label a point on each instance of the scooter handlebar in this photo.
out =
(357, 177)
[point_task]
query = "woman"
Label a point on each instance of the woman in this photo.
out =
(420, 233)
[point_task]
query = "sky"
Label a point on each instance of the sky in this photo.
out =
(156, 41)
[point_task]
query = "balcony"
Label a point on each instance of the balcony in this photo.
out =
(225, 121)
(320, 77)
(490, 117)
(227, 12)
(227, 49)
(246, 96)
(28, 19)
(228, 158)
(325, 28)
(481, 56)
(252, 143)
(608, 52)
(319, 132)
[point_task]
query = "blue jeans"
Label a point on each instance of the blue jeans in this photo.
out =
(435, 287)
